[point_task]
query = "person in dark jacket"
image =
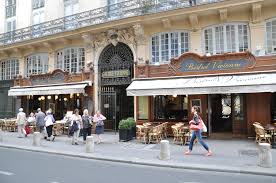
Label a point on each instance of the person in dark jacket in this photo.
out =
(86, 121)
(40, 123)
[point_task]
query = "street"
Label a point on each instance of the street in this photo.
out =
(30, 167)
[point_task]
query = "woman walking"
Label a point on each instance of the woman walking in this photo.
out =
(21, 122)
(49, 123)
(99, 118)
(76, 125)
(86, 121)
(197, 122)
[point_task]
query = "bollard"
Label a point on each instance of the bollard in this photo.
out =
(1, 135)
(265, 157)
(165, 150)
(36, 139)
(89, 146)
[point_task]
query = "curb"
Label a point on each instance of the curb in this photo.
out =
(164, 164)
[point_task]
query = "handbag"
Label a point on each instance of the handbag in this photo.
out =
(196, 127)
(204, 127)
(75, 126)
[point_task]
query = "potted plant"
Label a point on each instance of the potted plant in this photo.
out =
(124, 130)
(132, 125)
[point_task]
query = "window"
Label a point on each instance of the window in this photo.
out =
(226, 38)
(170, 107)
(10, 8)
(38, 17)
(71, 7)
(165, 46)
(143, 108)
(38, 4)
(271, 36)
(71, 59)
(37, 64)
(9, 69)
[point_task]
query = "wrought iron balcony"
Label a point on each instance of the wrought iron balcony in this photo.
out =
(105, 14)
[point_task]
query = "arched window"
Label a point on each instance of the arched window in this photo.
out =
(232, 37)
(71, 59)
(271, 36)
(165, 46)
(9, 69)
(37, 64)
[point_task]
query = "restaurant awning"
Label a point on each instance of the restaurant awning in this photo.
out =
(54, 89)
(214, 84)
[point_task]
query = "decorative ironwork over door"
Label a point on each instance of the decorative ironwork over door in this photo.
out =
(116, 65)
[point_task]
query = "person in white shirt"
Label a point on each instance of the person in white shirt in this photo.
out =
(76, 124)
(21, 123)
(49, 123)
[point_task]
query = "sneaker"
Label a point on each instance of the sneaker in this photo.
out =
(76, 143)
(187, 152)
(209, 153)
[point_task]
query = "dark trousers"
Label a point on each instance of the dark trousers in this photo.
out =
(86, 132)
(192, 2)
(49, 130)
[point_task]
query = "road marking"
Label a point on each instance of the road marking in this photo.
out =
(54, 182)
(6, 173)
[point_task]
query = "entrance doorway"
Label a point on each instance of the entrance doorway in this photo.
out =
(221, 116)
(115, 74)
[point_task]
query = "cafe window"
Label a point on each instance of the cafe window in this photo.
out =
(238, 102)
(170, 107)
(165, 46)
(227, 38)
(37, 64)
(271, 36)
(273, 107)
(71, 59)
(9, 69)
(143, 108)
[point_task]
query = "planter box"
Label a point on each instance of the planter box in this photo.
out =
(133, 132)
(125, 135)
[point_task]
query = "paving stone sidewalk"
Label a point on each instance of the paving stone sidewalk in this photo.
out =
(228, 155)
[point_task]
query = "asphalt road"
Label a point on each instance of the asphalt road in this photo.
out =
(19, 166)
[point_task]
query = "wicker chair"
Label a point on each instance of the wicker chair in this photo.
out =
(177, 135)
(155, 134)
(141, 133)
(261, 135)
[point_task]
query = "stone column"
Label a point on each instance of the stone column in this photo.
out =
(165, 150)
(89, 146)
(22, 66)
(265, 156)
(36, 139)
(51, 63)
(195, 45)
(258, 30)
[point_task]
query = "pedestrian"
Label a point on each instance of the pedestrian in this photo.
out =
(21, 121)
(49, 123)
(40, 123)
(192, 2)
(76, 125)
(31, 119)
(99, 118)
(86, 121)
(197, 132)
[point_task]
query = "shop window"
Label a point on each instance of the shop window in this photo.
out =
(225, 38)
(37, 64)
(170, 108)
(271, 36)
(143, 108)
(165, 46)
(71, 59)
(238, 107)
(9, 69)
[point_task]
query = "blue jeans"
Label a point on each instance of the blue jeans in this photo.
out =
(197, 134)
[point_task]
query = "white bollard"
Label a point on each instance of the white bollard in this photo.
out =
(265, 156)
(89, 146)
(1, 135)
(165, 150)
(36, 139)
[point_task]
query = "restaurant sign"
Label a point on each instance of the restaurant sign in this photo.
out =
(191, 65)
(43, 79)
(116, 73)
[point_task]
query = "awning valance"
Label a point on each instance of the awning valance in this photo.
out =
(219, 84)
(55, 89)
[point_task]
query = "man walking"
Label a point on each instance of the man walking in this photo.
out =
(40, 123)
(21, 121)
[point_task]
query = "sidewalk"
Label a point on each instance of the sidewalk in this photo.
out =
(237, 156)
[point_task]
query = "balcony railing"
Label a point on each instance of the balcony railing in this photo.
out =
(105, 14)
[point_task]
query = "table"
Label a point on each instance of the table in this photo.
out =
(272, 130)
